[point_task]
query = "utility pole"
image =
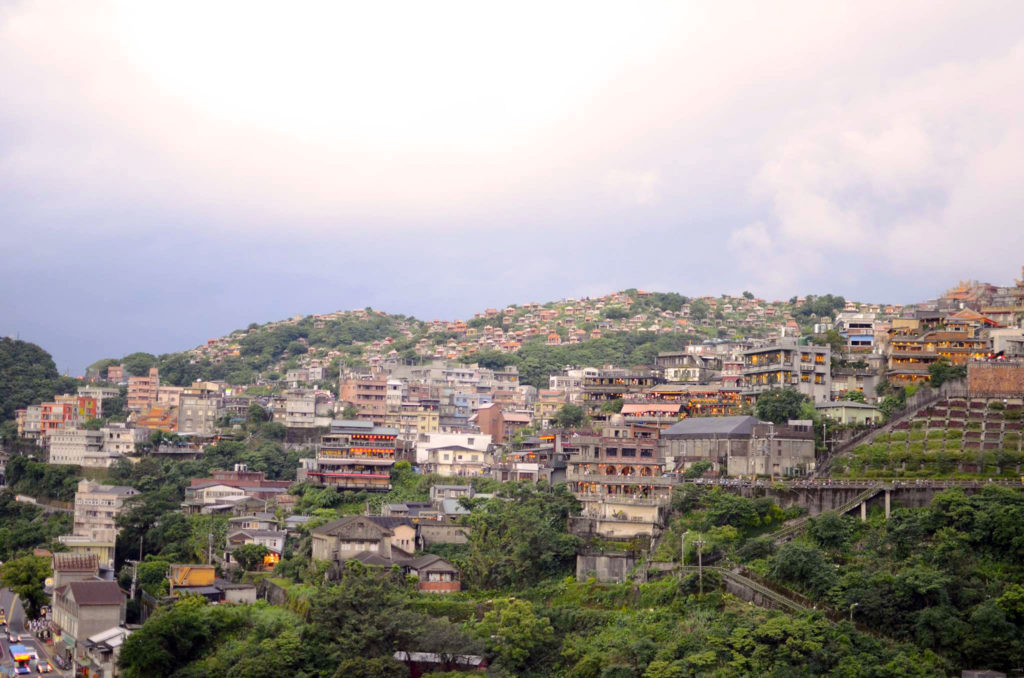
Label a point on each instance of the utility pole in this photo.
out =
(209, 548)
(682, 555)
(700, 565)
(135, 578)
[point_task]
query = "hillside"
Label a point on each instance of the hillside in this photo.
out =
(27, 375)
(624, 328)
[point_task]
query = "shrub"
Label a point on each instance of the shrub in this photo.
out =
(933, 445)
(898, 436)
(937, 433)
(996, 405)
(917, 435)
(954, 434)
(916, 448)
(1013, 415)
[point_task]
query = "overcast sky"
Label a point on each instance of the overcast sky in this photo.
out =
(172, 171)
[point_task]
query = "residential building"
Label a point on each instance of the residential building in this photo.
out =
(501, 425)
(142, 391)
(618, 477)
(342, 539)
(79, 447)
(198, 411)
(102, 651)
(740, 445)
(120, 440)
(808, 369)
(354, 455)
(367, 393)
(687, 367)
(858, 329)
(456, 460)
(82, 609)
(850, 412)
(95, 528)
(273, 540)
(547, 405)
(613, 384)
(911, 353)
(69, 567)
(115, 374)
(434, 574)
(99, 394)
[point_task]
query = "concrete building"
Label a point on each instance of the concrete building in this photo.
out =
(740, 445)
(456, 460)
(808, 369)
(102, 651)
(120, 440)
(82, 609)
(79, 447)
(95, 528)
(367, 393)
(342, 539)
(99, 394)
(850, 412)
(142, 391)
(69, 567)
(618, 479)
(197, 412)
(354, 455)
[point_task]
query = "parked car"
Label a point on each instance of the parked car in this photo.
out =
(43, 667)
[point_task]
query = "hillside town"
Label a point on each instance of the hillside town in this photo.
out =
(434, 402)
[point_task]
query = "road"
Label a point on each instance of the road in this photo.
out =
(16, 623)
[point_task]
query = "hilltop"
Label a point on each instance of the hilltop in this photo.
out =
(625, 328)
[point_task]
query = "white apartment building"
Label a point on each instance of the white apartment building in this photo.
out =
(79, 447)
(96, 509)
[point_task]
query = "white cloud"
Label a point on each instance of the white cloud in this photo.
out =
(638, 188)
(921, 176)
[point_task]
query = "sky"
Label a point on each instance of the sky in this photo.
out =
(170, 172)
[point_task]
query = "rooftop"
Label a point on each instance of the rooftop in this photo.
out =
(711, 426)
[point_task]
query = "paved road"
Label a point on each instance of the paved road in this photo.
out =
(16, 624)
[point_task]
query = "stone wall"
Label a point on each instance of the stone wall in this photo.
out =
(997, 379)
(443, 533)
(604, 567)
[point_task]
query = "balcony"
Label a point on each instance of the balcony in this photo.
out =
(660, 481)
(627, 499)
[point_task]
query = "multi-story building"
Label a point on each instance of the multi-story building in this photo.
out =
(82, 609)
(570, 382)
(546, 407)
(197, 411)
(858, 329)
(456, 460)
(686, 367)
(354, 455)
(617, 383)
(99, 393)
(367, 393)
(142, 391)
(501, 425)
(115, 374)
(740, 445)
(808, 369)
(911, 353)
(95, 528)
(120, 440)
(618, 477)
(79, 447)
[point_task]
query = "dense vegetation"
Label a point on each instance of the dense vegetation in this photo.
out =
(946, 578)
(28, 376)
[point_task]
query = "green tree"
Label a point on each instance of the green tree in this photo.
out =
(28, 375)
(26, 577)
(256, 414)
(138, 364)
(349, 412)
(941, 371)
(250, 556)
(570, 416)
(780, 405)
(514, 633)
(519, 538)
(698, 469)
(612, 406)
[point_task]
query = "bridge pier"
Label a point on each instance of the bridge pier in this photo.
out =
(863, 511)
(888, 504)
